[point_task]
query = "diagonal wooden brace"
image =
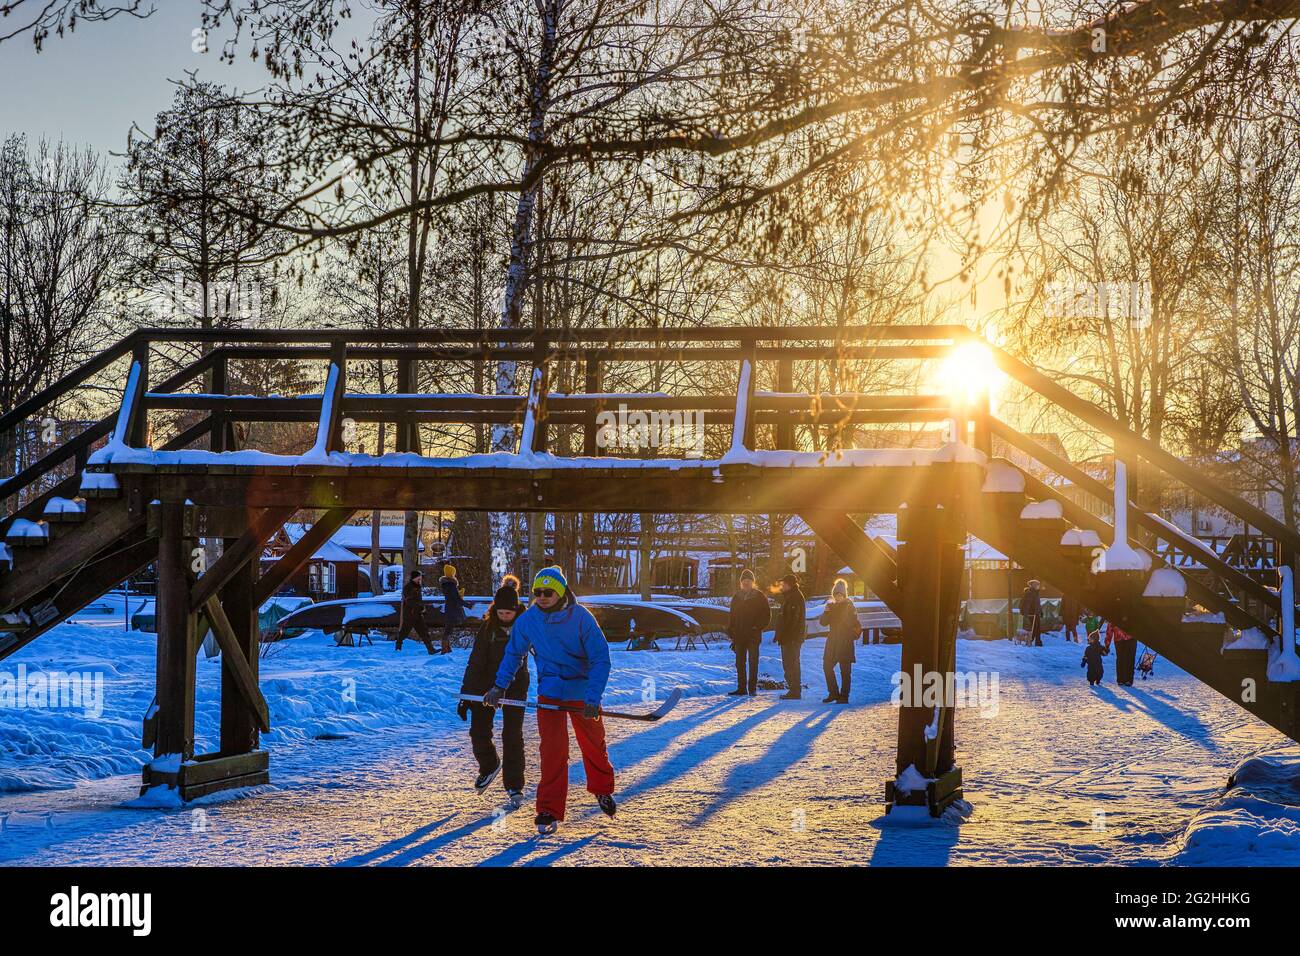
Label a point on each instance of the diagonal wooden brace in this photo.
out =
(233, 656)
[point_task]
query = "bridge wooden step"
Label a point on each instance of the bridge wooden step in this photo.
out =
(23, 533)
(66, 510)
(99, 484)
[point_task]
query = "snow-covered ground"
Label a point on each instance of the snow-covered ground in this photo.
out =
(370, 765)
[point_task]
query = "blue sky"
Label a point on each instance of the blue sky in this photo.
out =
(89, 87)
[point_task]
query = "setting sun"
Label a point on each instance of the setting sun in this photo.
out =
(968, 373)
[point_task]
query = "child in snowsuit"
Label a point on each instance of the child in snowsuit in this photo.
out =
(480, 673)
(1092, 660)
(572, 671)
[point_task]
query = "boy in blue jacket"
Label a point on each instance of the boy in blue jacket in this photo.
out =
(572, 671)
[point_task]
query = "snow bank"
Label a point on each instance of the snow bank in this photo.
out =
(1255, 822)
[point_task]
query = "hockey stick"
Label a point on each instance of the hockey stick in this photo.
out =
(658, 714)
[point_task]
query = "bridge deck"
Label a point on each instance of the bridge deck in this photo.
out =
(859, 480)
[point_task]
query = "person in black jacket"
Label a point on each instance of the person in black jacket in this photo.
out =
(841, 617)
(1031, 610)
(749, 615)
(791, 629)
(480, 676)
(411, 616)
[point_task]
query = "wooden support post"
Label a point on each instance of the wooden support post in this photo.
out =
(785, 384)
(174, 733)
(243, 709)
(592, 386)
(930, 563)
(408, 434)
(217, 438)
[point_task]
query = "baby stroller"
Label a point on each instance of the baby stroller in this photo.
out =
(1147, 663)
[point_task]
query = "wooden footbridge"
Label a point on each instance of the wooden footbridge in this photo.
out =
(107, 502)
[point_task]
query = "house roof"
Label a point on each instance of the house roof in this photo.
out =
(329, 551)
(356, 537)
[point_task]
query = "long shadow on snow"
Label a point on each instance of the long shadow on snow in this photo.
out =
(693, 754)
(921, 844)
(515, 854)
(1182, 722)
(394, 846)
(793, 745)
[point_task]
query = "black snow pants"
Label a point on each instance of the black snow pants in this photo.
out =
(512, 742)
(422, 631)
(747, 666)
(790, 664)
(1125, 655)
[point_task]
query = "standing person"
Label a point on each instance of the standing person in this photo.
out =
(749, 615)
(1031, 610)
(480, 673)
(791, 629)
(453, 605)
(842, 618)
(572, 671)
(411, 616)
(1125, 653)
(1092, 660)
(1070, 618)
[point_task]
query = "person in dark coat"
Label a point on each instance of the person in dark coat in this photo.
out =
(841, 618)
(453, 605)
(791, 629)
(1125, 653)
(411, 616)
(1070, 618)
(749, 615)
(1031, 609)
(480, 674)
(1092, 660)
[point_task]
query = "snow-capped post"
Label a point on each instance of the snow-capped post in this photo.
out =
(1286, 666)
(137, 432)
(742, 428)
(329, 431)
(532, 437)
(1121, 556)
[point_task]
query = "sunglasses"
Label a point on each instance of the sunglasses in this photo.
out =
(543, 592)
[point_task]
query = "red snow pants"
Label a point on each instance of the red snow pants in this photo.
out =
(552, 728)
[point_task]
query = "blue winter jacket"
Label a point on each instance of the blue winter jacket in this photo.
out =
(572, 653)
